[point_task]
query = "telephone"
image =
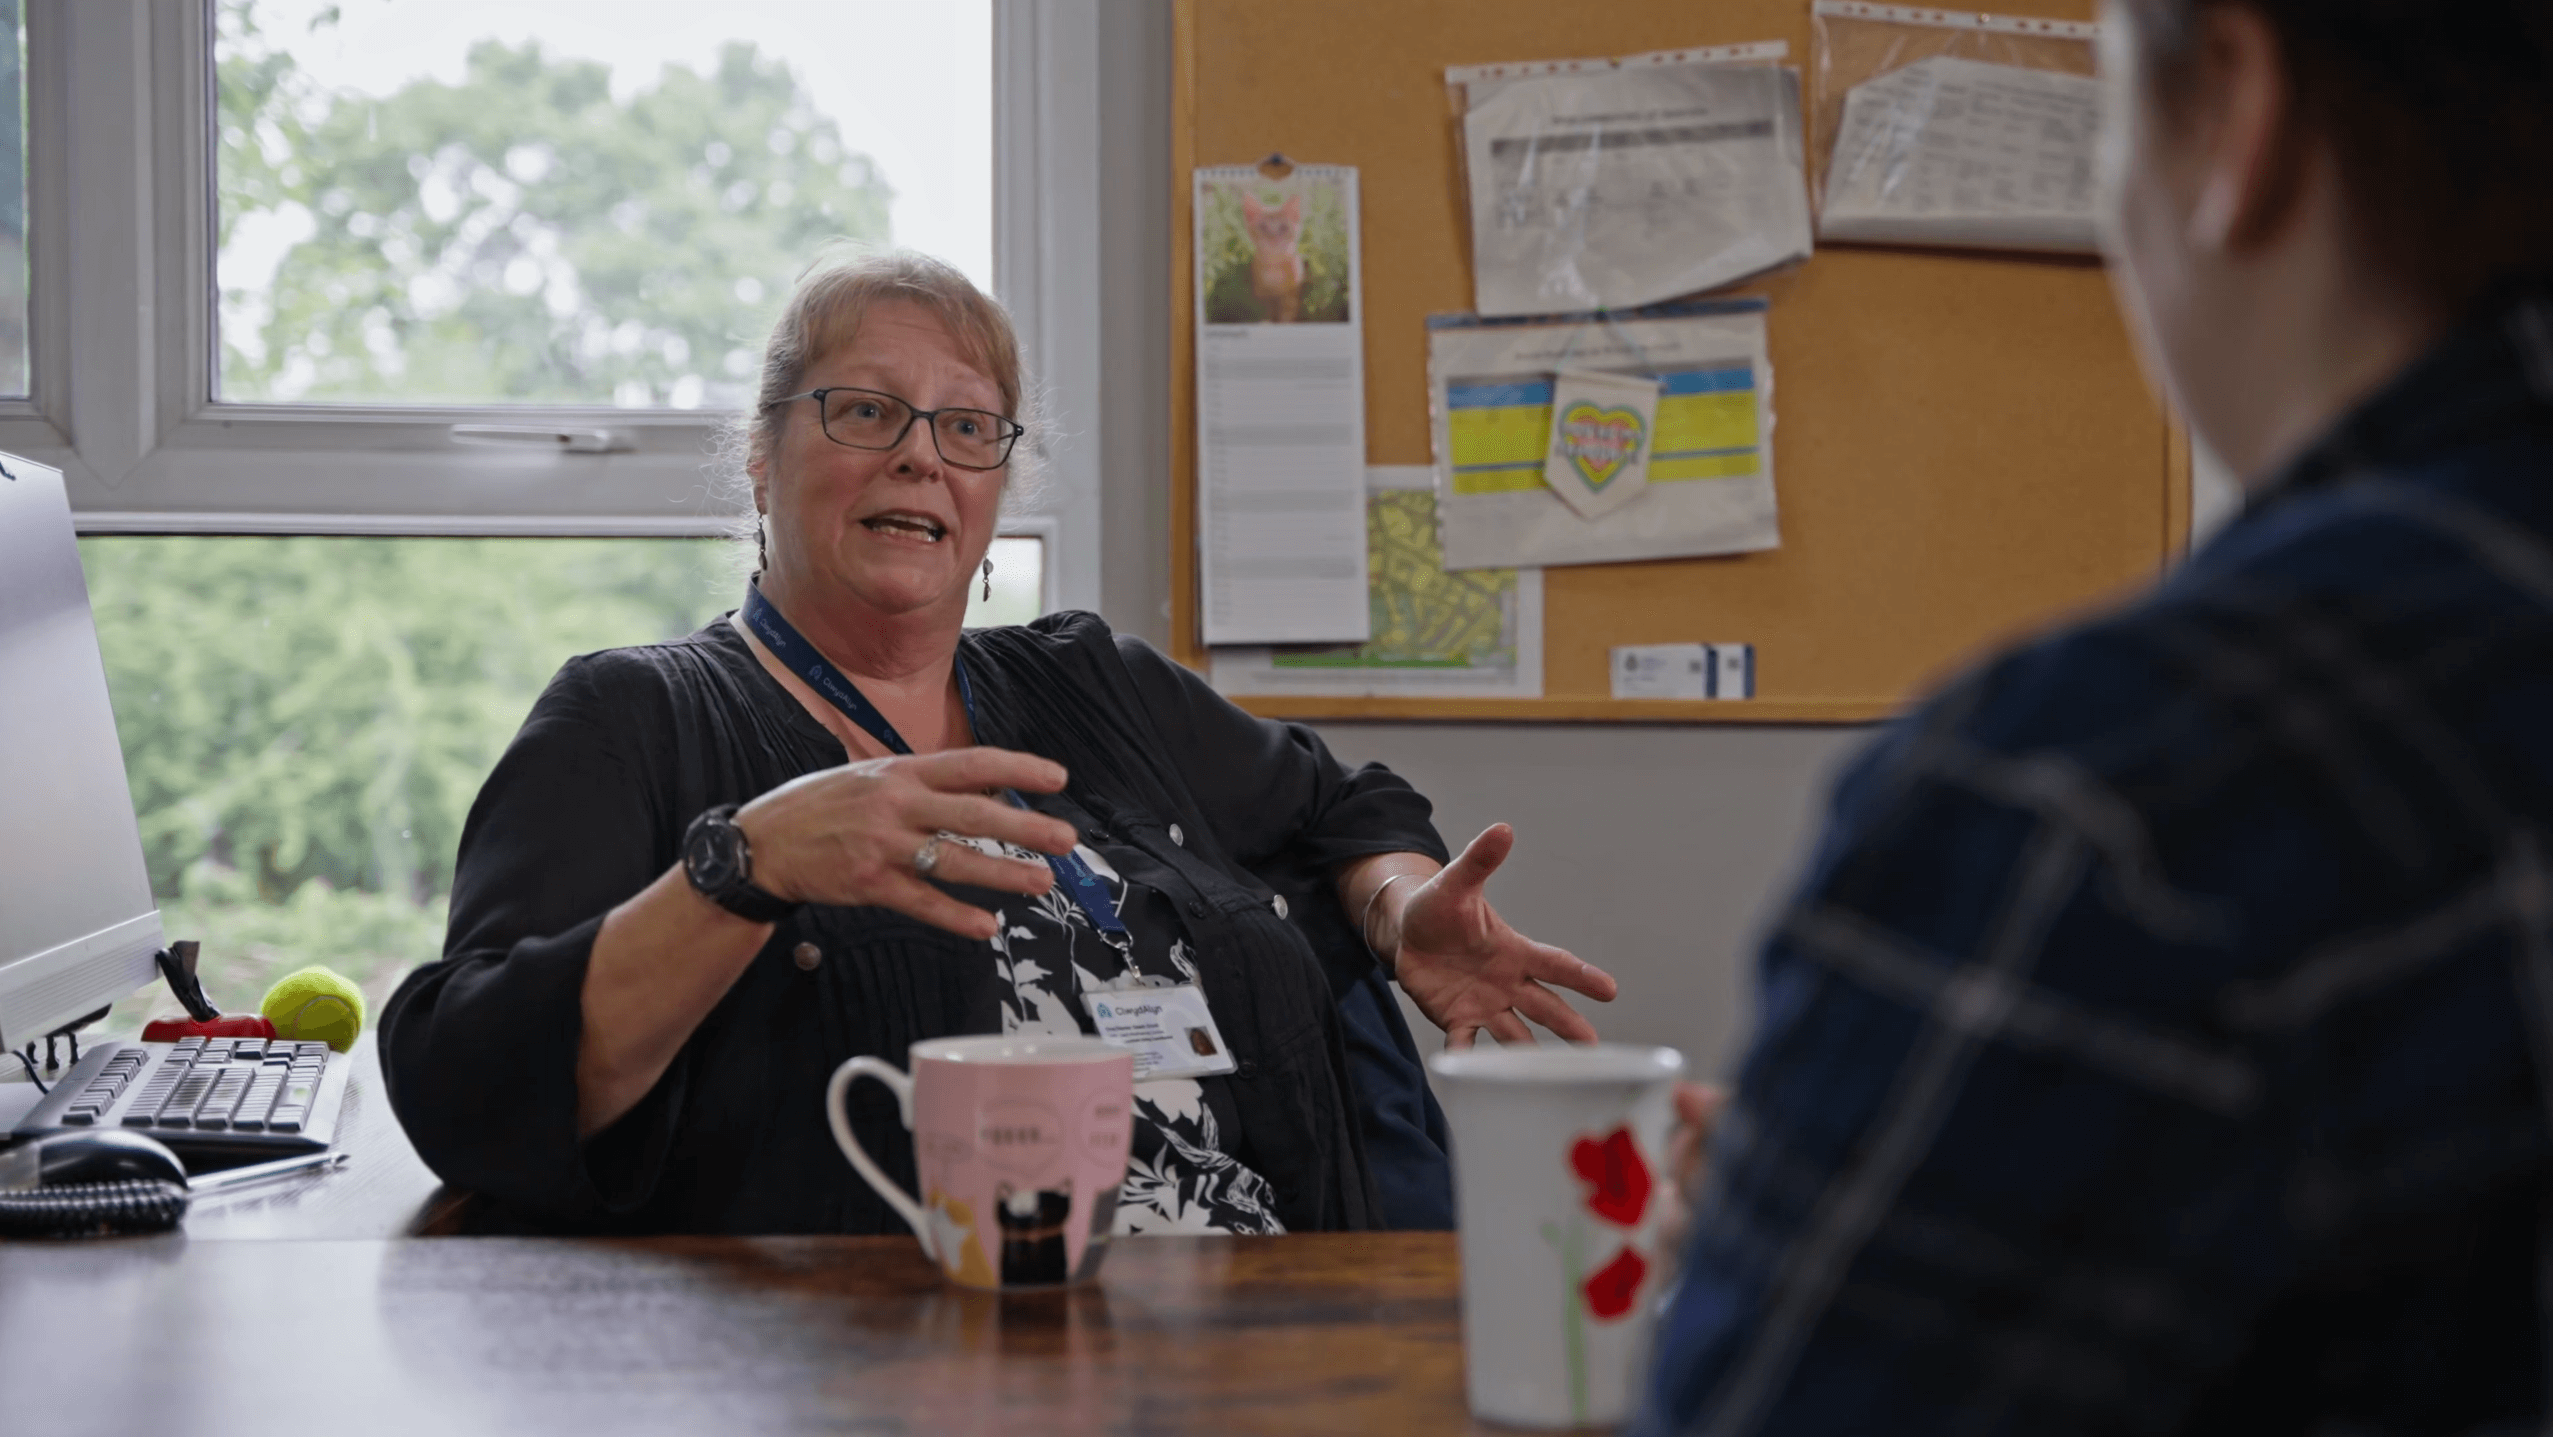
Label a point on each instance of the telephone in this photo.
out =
(85, 1183)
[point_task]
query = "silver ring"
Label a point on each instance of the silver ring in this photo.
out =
(927, 857)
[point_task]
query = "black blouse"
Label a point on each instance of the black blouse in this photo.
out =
(588, 806)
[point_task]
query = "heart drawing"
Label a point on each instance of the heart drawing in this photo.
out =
(1600, 443)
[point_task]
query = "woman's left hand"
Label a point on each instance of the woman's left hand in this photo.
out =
(1467, 970)
(1697, 1113)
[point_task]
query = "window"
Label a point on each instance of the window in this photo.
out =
(320, 250)
(357, 286)
(1017, 585)
(581, 202)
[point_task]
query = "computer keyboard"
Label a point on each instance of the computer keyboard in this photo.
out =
(214, 1101)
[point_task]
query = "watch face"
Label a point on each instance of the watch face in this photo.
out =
(714, 857)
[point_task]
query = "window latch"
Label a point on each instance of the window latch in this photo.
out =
(563, 441)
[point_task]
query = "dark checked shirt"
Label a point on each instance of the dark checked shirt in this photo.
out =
(2162, 1036)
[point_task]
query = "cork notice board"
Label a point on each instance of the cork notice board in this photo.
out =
(1963, 447)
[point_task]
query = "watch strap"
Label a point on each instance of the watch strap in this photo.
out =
(739, 895)
(752, 904)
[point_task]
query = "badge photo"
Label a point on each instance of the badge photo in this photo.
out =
(1601, 425)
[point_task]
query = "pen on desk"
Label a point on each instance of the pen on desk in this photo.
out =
(260, 1172)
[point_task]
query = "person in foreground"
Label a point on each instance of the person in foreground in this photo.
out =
(2161, 1039)
(709, 871)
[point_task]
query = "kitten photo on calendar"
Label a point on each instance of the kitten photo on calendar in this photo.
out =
(1274, 251)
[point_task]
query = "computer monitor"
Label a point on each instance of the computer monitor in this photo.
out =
(77, 925)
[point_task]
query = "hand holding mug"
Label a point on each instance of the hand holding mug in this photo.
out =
(1697, 1112)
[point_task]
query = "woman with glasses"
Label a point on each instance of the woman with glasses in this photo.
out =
(709, 871)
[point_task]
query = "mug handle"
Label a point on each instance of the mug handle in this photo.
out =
(896, 1197)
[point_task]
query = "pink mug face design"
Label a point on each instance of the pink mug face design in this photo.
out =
(1020, 1145)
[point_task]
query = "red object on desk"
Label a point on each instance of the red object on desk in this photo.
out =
(244, 1025)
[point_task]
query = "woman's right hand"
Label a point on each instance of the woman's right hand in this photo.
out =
(847, 836)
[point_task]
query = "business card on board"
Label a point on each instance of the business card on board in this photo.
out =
(1684, 671)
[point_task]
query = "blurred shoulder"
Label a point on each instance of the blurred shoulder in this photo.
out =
(610, 687)
(1075, 639)
(1076, 652)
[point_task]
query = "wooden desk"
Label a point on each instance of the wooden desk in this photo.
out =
(384, 1190)
(1311, 1334)
(195, 1331)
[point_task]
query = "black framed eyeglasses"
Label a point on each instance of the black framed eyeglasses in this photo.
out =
(875, 419)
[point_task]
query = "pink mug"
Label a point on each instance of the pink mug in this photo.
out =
(1020, 1144)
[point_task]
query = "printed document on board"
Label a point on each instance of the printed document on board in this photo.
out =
(1710, 468)
(1949, 151)
(1619, 187)
(1280, 407)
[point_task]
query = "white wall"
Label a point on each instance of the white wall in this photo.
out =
(1649, 851)
(1653, 853)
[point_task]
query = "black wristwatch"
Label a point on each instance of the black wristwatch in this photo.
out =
(719, 863)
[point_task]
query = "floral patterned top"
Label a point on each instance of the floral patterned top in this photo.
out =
(1180, 1174)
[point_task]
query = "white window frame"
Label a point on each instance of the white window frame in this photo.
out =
(122, 345)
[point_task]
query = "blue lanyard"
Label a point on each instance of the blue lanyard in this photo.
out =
(1084, 887)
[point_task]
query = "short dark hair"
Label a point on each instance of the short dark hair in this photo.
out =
(2438, 112)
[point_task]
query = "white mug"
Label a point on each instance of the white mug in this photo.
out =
(1561, 1192)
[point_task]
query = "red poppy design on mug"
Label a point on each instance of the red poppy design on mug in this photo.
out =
(1610, 1290)
(1616, 1174)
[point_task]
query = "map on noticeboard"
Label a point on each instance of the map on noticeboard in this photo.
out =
(1476, 633)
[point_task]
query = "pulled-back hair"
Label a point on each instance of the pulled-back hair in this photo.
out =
(2439, 114)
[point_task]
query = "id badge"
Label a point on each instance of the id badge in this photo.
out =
(1167, 1029)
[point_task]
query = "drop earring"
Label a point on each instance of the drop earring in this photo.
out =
(988, 578)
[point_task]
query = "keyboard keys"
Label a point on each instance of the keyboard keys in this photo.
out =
(249, 1087)
(156, 1089)
(215, 1111)
(260, 1100)
(179, 1110)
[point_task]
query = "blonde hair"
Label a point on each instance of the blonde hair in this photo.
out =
(824, 314)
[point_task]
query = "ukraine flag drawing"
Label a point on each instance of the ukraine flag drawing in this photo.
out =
(1499, 429)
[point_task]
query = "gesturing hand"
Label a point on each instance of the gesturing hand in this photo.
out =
(847, 836)
(1467, 970)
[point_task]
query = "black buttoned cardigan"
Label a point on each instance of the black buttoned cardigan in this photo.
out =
(589, 804)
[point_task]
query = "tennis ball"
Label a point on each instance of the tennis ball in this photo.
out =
(315, 1003)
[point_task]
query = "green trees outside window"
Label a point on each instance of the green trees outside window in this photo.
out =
(520, 236)
(306, 720)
